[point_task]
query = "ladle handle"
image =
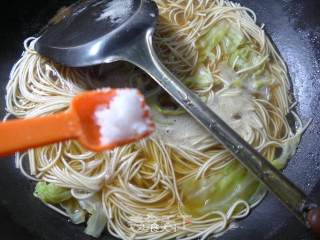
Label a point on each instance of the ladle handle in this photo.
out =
(313, 218)
(141, 53)
(21, 134)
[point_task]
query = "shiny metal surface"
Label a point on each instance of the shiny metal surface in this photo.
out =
(79, 39)
(131, 41)
(294, 27)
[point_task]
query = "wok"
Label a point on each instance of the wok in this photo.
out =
(294, 26)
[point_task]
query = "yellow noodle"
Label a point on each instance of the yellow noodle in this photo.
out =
(145, 178)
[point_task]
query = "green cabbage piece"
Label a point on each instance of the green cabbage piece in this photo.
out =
(241, 56)
(228, 74)
(98, 219)
(201, 79)
(245, 56)
(238, 54)
(288, 150)
(210, 40)
(220, 190)
(260, 84)
(233, 39)
(237, 50)
(96, 223)
(229, 36)
(74, 211)
(51, 193)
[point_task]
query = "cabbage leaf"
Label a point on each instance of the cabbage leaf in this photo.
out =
(220, 190)
(74, 211)
(51, 193)
(98, 219)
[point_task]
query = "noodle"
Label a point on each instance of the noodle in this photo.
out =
(148, 178)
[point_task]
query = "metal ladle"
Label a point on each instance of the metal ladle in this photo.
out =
(95, 32)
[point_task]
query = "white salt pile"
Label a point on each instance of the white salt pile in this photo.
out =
(124, 118)
(116, 11)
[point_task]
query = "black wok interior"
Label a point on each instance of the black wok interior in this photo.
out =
(294, 26)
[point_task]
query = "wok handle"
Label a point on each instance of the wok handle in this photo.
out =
(313, 217)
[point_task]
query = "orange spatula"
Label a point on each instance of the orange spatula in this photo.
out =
(78, 122)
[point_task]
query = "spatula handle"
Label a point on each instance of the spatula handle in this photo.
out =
(313, 218)
(141, 53)
(19, 135)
